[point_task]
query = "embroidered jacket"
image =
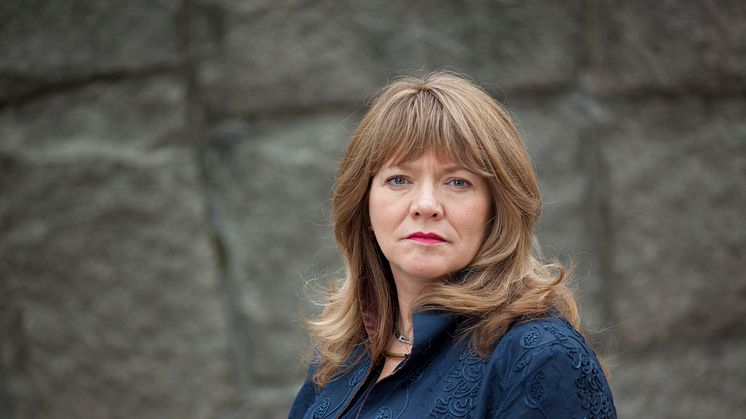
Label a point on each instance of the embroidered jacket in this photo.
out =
(541, 368)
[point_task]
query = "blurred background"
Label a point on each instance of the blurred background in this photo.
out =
(166, 165)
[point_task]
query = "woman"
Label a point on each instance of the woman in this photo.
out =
(445, 310)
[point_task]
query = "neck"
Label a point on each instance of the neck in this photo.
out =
(407, 290)
(404, 325)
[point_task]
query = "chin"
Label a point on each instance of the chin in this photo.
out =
(428, 273)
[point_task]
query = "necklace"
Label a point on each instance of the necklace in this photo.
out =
(401, 338)
(395, 354)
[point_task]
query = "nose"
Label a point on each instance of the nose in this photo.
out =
(426, 204)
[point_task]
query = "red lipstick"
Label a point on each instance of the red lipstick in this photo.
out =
(426, 238)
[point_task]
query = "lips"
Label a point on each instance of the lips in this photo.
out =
(426, 238)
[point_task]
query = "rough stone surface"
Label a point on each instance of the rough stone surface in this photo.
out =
(123, 117)
(670, 45)
(112, 289)
(305, 54)
(703, 380)
(677, 204)
(58, 42)
(271, 183)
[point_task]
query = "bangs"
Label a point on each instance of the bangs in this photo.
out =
(416, 123)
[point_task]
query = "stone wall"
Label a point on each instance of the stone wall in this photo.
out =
(165, 174)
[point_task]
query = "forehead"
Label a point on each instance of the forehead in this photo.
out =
(427, 159)
(442, 160)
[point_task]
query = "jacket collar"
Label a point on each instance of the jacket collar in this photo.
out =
(368, 301)
(431, 328)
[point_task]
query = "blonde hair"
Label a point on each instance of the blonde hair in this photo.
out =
(505, 283)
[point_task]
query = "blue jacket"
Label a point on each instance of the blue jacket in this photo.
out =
(541, 368)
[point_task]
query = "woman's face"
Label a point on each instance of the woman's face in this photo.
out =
(428, 216)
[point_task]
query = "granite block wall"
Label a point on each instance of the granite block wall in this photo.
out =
(166, 166)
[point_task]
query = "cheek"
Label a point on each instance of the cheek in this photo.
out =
(380, 210)
(474, 221)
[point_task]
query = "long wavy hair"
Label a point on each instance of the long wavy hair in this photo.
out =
(505, 283)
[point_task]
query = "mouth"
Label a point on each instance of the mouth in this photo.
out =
(426, 238)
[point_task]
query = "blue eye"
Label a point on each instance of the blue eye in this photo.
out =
(397, 180)
(459, 183)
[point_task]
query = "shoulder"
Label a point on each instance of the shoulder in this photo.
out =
(540, 332)
(319, 399)
(545, 367)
